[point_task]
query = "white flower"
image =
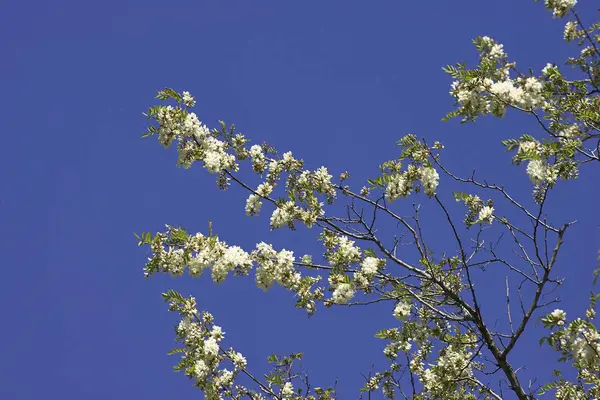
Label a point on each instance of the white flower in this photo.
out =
(373, 383)
(398, 187)
(548, 68)
(497, 52)
(402, 310)
(188, 100)
(527, 96)
(239, 361)
(217, 333)
(526, 147)
(457, 362)
(253, 205)
(537, 171)
(586, 348)
(570, 132)
(429, 380)
(225, 378)
(281, 217)
(322, 182)
(346, 253)
(201, 370)
(258, 159)
(211, 347)
(343, 293)
(264, 189)
(192, 127)
(559, 316)
(486, 214)
(274, 266)
(287, 390)
(560, 7)
(233, 257)
(184, 326)
(256, 152)
(429, 180)
(288, 158)
(369, 266)
(405, 346)
(506, 90)
(215, 157)
(570, 31)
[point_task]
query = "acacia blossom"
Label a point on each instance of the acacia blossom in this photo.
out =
(188, 99)
(402, 310)
(343, 293)
(560, 7)
(559, 316)
(253, 205)
(398, 187)
(429, 180)
(486, 214)
(537, 171)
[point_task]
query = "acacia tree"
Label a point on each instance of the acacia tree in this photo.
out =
(444, 346)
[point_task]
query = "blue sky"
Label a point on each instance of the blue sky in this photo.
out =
(336, 82)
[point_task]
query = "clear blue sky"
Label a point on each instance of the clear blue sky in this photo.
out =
(337, 82)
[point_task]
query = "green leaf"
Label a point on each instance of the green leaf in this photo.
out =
(370, 253)
(511, 144)
(460, 196)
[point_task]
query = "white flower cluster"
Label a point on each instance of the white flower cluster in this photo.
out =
(541, 172)
(560, 7)
(570, 132)
(402, 310)
(342, 293)
(549, 69)
(345, 254)
(398, 187)
(493, 90)
(275, 267)
(477, 211)
(287, 391)
(578, 341)
(258, 159)
(319, 181)
(571, 33)
(200, 252)
(452, 368)
(188, 99)
(492, 50)
(392, 349)
(232, 258)
(525, 92)
(586, 347)
(215, 157)
(558, 316)
(471, 99)
(528, 148)
(195, 141)
(430, 180)
(367, 272)
(486, 214)
(285, 215)
(253, 205)
(201, 354)
(582, 343)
